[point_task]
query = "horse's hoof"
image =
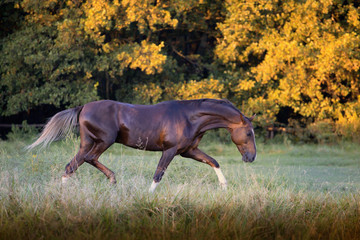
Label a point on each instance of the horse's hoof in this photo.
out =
(112, 181)
(223, 186)
(64, 179)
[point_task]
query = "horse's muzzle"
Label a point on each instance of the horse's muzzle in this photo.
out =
(248, 157)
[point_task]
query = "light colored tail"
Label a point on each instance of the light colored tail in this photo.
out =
(59, 126)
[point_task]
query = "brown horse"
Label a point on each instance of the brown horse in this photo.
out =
(173, 127)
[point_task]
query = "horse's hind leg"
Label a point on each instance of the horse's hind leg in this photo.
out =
(108, 173)
(89, 153)
(73, 165)
(93, 156)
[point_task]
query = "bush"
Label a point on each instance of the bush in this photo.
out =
(323, 131)
(25, 132)
(349, 127)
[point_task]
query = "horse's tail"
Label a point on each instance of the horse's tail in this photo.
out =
(59, 126)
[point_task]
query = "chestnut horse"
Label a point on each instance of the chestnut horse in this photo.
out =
(173, 127)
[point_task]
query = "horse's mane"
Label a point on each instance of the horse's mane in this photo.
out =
(212, 104)
(215, 101)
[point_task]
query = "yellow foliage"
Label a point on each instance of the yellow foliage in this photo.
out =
(245, 85)
(348, 123)
(98, 16)
(145, 56)
(309, 61)
(208, 88)
(96, 85)
(38, 11)
(147, 93)
(267, 107)
(243, 18)
(147, 15)
(354, 16)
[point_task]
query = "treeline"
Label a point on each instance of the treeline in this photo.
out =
(294, 63)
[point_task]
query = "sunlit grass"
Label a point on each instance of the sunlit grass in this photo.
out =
(300, 192)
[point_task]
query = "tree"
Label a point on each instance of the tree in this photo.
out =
(292, 62)
(300, 55)
(117, 46)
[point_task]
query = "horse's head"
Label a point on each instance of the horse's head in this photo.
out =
(242, 134)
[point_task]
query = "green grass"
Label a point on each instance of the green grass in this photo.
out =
(289, 192)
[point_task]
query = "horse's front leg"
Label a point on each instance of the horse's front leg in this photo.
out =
(200, 156)
(166, 158)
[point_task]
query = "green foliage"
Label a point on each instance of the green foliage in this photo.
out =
(26, 132)
(265, 56)
(41, 73)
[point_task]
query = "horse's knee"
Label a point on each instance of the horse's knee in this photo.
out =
(214, 164)
(89, 160)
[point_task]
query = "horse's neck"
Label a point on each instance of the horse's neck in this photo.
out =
(226, 112)
(217, 117)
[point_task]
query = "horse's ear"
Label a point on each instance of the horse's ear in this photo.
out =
(252, 118)
(242, 118)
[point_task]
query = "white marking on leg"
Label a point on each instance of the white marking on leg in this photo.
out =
(153, 186)
(64, 179)
(221, 178)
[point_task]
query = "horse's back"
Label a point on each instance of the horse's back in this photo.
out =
(153, 127)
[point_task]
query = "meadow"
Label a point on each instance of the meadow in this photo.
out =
(289, 192)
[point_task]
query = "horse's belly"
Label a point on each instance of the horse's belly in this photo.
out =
(150, 142)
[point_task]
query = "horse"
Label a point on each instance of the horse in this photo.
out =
(173, 127)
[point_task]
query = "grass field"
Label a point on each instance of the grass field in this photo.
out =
(289, 192)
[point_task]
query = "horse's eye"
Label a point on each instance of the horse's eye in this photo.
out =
(248, 134)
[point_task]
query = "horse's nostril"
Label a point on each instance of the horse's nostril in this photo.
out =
(247, 157)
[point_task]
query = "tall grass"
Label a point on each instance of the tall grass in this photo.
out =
(280, 196)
